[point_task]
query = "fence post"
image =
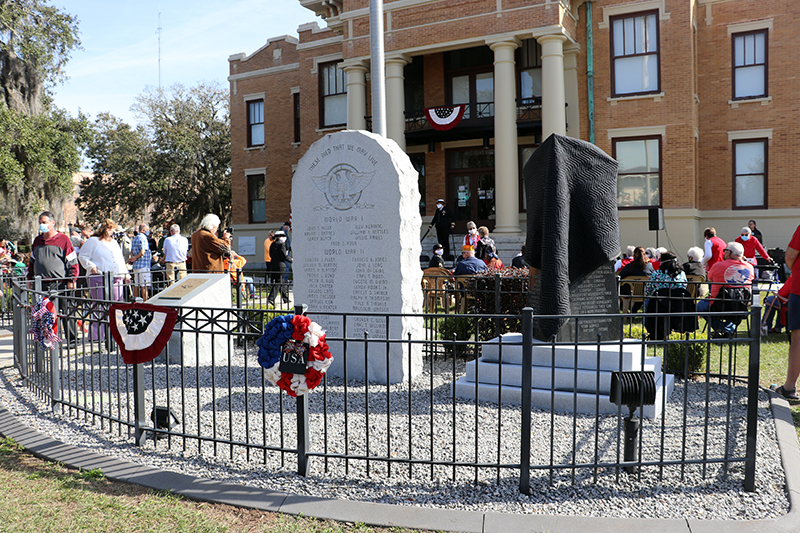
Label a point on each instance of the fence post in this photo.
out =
(498, 322)
(55, 360)
(39, 352)
(303, 461)
(139, 420)
(752, 392)
(238, 288)
(20, 346)
(525, 436)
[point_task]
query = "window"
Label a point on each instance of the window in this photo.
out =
(255, 120)
(750, 64)
(471, 80)
(418, 160)
(256, 197)
(750, 173)
(296, 107)
(634, 54)
(639, 174)
(414, 85)
(530, 71)
(333, 95)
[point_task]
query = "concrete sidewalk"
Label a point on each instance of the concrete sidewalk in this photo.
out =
(384, 515)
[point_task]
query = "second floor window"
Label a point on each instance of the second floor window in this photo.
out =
(332, 95)
(296, 113)
(530, 71)
(750, 64)
(255, 121)
(634, 54)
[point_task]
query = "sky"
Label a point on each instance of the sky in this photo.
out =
(120, 55)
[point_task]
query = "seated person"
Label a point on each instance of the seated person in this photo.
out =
(652, 255)
(469, 264)
(694, 265)
(519, 259)
(437, 260)
(733, 270)
(668, 275)
(494, 262)
(626, 258)
(640, 266)
(772, 306)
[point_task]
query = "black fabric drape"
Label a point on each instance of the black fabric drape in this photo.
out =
(573, 227)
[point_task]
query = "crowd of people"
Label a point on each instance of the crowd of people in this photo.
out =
(478, 249)
(720, 263)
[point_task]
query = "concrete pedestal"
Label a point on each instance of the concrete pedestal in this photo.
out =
(197, 339)
(570, 379)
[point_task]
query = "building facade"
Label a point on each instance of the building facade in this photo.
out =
(694, 98)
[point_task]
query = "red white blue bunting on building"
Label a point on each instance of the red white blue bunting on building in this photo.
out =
(141, 330)
(445, 117)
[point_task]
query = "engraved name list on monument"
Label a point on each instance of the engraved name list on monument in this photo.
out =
(355, 244)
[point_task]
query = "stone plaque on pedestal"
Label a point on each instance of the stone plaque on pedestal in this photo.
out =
(355, 226)
(193, 342)
(595, 294)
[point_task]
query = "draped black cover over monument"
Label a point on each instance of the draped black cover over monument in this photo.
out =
(573, 227)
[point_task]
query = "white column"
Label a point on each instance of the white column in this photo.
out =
(506, 164)
(553, 99)
(571, 52)
(396, 100)
(356, 94)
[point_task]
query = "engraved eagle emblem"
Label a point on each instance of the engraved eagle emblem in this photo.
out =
(343, 185)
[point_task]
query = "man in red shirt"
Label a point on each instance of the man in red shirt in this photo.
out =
(733, 270)
(788, 389)
(714, 248)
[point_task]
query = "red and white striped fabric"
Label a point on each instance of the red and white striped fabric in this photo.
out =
(445, 117)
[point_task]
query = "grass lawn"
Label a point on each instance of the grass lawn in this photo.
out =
(37, 496)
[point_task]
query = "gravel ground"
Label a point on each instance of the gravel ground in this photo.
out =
(669, 492)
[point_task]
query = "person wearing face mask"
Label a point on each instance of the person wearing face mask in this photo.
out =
(54, 259)
(444, 221)
(279, 257)
(436, 259)
(751, 246)
(471, 238)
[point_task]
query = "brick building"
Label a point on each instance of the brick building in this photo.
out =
(692, 97)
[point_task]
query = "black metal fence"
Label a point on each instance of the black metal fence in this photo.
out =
(432, 423)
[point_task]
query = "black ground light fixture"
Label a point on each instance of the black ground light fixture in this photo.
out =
(633, 389)
(163, 417)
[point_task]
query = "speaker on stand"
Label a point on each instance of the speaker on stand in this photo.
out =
(655, 217)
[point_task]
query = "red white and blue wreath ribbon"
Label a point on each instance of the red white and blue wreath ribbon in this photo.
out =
(45, 326)
(290, 341)
(141, 330)
(445, 117)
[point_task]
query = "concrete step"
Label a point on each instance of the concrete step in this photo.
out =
(613, 356)
(563, 402)
(566, 379)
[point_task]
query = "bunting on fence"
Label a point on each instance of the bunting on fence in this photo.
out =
(445, 117)
(141, 330)
(44, 327)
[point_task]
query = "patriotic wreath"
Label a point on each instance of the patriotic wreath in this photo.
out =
(44, 326)
(294, 353)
